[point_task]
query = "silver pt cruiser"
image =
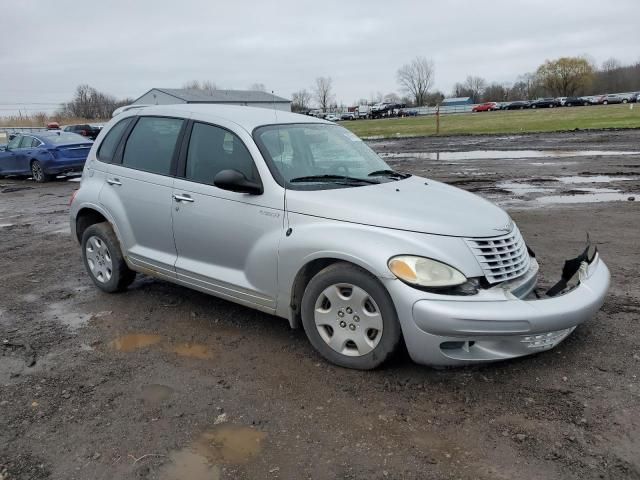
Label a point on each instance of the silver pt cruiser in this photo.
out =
(297, 217)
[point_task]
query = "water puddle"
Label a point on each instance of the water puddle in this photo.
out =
(502, 154)
(224, 444)
(594, 179)
(185, 464)
(155, 393)
(134, 341)
(73, 320)
(192, 350)
(586, 198)
(523, 188)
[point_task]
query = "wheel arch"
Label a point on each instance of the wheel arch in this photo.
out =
(304, 275)
(91, 214)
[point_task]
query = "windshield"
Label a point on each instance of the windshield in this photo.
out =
(314, 156)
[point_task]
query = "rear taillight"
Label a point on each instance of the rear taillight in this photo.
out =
(73, 197)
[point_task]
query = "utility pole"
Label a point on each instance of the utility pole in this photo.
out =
(437, 119)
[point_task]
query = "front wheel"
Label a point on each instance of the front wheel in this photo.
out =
(349, 317)
(103, 259)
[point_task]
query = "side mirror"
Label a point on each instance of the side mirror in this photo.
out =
(235, 181)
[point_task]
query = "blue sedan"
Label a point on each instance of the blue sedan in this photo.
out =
(43, 155)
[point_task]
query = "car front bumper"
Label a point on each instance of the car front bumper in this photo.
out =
(496, 324)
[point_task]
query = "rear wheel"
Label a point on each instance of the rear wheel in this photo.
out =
(103, 259)
(533, 106)
(606, 102)
(37, 172)
(350, 318)
(625, 100)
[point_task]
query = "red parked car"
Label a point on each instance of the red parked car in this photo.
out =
(486, 107)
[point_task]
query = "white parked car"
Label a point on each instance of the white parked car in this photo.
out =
(332, 117)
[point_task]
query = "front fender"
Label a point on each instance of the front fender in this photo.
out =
(369, 247)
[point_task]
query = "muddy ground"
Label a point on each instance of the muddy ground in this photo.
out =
(165, 383)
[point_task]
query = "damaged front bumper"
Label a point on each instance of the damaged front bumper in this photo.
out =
(501, 322)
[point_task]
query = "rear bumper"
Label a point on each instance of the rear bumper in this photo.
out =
(64, 165)
(463, 330)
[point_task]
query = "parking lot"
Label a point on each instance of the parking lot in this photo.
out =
(162, 382)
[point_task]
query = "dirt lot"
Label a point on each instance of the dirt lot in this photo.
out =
(165, 383)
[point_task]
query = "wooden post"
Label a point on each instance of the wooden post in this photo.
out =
(437, 119)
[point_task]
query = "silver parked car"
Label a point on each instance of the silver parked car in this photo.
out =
(297, 217)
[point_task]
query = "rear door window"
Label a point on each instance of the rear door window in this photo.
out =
(27, 142)
(151, 145)
(213, 149)
(110, 143)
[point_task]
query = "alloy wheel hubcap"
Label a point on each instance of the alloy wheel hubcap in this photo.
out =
(99, 259)
(36, 170)
(348, 319)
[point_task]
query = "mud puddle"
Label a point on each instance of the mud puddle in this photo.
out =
(154, 394)
(191, 350)
(502, 154)
(137, 341)
(222, 445)
(134, 341)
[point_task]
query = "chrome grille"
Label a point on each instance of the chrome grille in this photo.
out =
(501, 258)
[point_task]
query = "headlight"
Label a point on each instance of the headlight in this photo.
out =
(425, 272)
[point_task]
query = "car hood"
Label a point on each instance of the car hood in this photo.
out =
(414, 204)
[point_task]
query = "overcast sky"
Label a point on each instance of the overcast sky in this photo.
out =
(126, 47)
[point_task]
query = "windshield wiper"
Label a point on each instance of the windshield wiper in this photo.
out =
(332, 178)
(389, 173)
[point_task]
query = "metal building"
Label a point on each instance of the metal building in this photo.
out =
(452, 102)
(171, 96)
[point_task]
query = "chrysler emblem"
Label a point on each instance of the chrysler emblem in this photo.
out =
(506, 228)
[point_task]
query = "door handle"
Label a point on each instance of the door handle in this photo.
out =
(114, 181)
(182, 198)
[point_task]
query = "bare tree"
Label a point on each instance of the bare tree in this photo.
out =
(89, 103)
(258, 87)
(322, 92)
(300, 100)
(611, 64)
(475, 86)
(416, 78)
(392, 97)
(205, 86)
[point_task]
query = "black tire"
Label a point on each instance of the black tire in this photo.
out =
(606, 102)
(625, 100)
(534, 106)
(121, 276)
(38, 174)
(569, 105)
(345, 273)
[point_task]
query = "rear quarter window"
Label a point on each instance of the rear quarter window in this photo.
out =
(108, 147)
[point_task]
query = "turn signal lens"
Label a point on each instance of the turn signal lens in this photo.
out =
(425, 272)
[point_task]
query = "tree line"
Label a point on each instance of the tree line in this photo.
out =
(562, 77)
